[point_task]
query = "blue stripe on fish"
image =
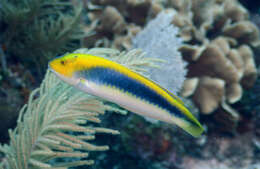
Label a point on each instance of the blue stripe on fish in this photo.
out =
(113, 78)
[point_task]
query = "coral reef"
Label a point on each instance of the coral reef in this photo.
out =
(219, 48)
(34, 31)
(219, 45)
(157, 146)
(46, 124)
(53, 123)
(15, 86)
(144, 145)
(159, 39)
(10, 102)
(129, 16)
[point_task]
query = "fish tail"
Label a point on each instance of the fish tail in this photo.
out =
(189, 123)
(193, 129)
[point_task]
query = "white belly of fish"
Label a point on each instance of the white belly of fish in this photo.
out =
(127, 101)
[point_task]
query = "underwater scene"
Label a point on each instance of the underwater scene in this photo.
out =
(129, 84)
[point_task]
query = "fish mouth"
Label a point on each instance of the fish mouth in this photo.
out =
(49, 67)
(70, 80)
(55, 72)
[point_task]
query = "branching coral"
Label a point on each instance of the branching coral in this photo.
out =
(219, 44)
(115, 21)
(58, 121)
(220, 41)
(36, 30)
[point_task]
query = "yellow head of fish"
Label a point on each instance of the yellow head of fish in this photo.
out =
(66, 66)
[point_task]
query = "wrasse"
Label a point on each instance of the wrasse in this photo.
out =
(113, 82)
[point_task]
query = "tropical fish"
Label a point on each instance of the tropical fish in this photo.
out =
(114, 82)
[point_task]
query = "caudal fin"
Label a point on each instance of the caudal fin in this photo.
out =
(188, 122)
(193, 129)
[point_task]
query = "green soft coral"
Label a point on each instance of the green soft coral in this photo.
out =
(41, 132)
(59, 121)
(39, 29)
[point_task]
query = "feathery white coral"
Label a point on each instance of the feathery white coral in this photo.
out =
(47, 124)
(159, 40)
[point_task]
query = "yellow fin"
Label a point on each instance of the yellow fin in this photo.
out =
(194, 130)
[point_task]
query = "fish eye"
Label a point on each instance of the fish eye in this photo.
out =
(62, 62)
